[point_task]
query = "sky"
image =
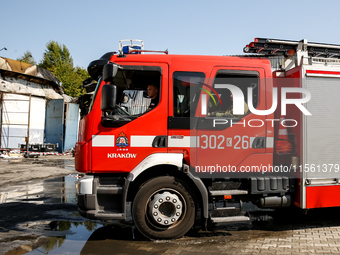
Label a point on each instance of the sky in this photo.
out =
(89, 29)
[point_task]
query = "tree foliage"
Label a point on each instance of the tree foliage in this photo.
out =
(55, 56)
(58, 60)
(27, 58)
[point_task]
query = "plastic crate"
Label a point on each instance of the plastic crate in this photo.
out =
(35, 147)
(47, 147)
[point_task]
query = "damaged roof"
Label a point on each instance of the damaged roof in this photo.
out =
(25, 71)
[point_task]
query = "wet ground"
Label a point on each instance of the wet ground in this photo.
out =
(15, 171)
(40, 217)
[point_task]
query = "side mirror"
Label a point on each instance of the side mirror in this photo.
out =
(109, 72)
(109, 93)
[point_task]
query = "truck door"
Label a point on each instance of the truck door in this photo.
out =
(133, 131)
(184, 96)
(229, 142)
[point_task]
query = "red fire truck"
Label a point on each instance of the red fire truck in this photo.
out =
(261, 128)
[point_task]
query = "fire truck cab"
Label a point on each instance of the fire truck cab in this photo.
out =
(197, 155)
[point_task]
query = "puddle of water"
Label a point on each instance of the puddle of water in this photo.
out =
(72, 238)
(119, 239)
(67, 237)
(57, 190)
(91, 238)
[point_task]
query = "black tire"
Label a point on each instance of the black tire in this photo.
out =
(148, 197)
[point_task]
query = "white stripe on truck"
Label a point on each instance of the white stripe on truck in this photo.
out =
(142, 140)
(146, 141)
(103, 141)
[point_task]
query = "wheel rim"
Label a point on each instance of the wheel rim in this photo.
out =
(165, 208)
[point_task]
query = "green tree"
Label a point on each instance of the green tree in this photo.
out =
(55, 56)
(58, 60)
(27, 58)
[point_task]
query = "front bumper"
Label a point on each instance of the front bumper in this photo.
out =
(102, 197)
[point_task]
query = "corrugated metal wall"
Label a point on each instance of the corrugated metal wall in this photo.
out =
(20, 112)
(322, 135)
(37, 120)
(71, 125)
(136, 102)
(54, 126)
(14, 120)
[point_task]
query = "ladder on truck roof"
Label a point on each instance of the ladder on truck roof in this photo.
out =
(277, 47)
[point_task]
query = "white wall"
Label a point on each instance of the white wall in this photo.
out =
(15, 122)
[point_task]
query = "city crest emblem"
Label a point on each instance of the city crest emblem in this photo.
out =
(122, 141)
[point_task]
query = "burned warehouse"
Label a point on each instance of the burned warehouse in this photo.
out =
(35, 115)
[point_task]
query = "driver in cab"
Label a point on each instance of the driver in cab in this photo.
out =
(153, 94)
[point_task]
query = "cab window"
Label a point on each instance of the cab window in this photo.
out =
(221, 105)
(186, 91)
(133, 97)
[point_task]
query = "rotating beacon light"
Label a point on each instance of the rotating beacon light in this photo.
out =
(131, 46)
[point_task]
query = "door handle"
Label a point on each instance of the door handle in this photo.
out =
(259, 143)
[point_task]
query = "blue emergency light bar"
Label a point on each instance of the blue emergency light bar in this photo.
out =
(132, 49)
(134, 46)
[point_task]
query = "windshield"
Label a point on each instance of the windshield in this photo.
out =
(95, 93)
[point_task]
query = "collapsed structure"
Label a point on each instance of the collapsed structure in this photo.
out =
(34, 112)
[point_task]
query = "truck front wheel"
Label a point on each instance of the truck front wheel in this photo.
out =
(163, 208)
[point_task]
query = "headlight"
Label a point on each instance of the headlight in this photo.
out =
(85, 184)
